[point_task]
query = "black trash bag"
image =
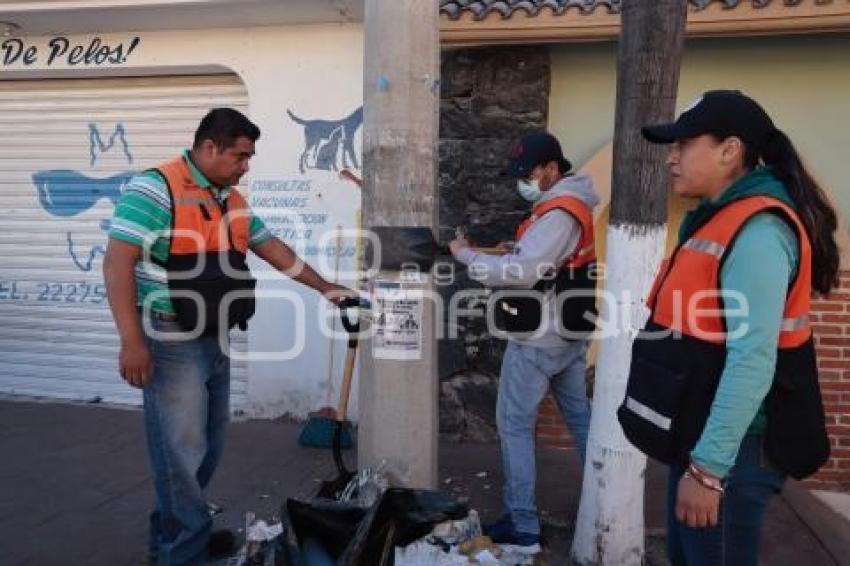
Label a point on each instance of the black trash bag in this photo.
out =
(399, 518)
(356, 537)
(330, 524)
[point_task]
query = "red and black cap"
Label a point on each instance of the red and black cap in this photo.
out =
(723, 113)
(532, 150)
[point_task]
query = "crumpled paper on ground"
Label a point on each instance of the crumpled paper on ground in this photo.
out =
(422, 553)
(262, 531)
(448, 541)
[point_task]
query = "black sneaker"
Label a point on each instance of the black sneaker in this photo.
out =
(222, 544)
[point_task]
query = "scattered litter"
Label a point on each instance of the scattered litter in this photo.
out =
(460, 542)
(261, 531)
(422, 553)
(264, 496)
(475, 546)
(261, 543)
(486, 558)
(214, 509)
(486, 486)
(447, 481)
(481, 475)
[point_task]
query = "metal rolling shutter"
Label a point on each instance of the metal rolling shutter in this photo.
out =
(87, 136)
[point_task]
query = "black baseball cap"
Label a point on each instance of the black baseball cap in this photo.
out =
(723, 113)
(532, 150)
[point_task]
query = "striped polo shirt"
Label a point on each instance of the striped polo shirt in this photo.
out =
(143, 217)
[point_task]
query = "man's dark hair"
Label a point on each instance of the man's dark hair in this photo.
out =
(223, 126)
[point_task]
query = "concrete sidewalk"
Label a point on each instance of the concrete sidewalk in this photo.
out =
(76, 490)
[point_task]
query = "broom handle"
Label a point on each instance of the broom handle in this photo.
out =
(329, 380)
(350, 356)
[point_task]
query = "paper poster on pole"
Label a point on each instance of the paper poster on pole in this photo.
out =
(397, 322)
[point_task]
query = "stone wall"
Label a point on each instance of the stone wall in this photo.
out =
(490, 98)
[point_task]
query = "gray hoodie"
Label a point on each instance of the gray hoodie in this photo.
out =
(545, 246)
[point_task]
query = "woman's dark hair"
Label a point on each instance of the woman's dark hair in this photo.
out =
(813, 207)
(223, 126)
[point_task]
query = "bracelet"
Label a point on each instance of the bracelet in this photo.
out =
(703, 479)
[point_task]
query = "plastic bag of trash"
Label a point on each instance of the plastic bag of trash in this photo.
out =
(328, 525)
(354, 536)
(366, 487)
(400, 517)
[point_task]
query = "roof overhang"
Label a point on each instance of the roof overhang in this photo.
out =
(38, 17)
(602, 24)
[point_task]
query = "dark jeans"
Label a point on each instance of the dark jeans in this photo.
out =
(734, 541)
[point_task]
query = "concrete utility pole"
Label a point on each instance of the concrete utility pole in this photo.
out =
(609, 527)
(399, 397)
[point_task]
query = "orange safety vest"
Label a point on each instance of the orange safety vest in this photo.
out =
(207, 260)
(520, 313)
(684, 296)
(585, 252)
(198, 220)
(679, 357)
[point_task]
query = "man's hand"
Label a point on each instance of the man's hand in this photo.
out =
(135, 363)
(456, 245)
(696, 505)
(281, 257)
(335, 293)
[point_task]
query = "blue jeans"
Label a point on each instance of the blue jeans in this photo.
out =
(734, 541)
(527, 374)
(186, 409)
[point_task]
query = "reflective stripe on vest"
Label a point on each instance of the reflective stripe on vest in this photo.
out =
(686, 295)
(585, 252)
(199, 224)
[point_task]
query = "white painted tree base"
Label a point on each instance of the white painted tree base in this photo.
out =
(609, 526)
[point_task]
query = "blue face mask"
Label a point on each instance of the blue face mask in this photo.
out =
(529, 190)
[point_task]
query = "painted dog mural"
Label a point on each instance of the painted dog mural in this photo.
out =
(65, 193)
(329, 144)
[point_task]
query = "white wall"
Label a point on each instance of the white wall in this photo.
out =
(316, 71)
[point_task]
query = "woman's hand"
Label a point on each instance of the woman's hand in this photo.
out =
(696, 504)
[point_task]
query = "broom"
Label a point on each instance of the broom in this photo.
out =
(332, 488)
(318, 431)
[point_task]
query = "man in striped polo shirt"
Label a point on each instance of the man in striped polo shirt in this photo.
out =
(186, 382)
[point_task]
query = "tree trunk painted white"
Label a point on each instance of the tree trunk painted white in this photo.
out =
(610, 527)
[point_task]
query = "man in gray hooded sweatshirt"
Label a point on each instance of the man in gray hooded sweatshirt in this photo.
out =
(558, 234)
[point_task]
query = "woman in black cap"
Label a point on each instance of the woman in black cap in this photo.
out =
(723, 383)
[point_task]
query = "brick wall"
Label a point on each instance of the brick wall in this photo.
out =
(551, 431)
(831, 323)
